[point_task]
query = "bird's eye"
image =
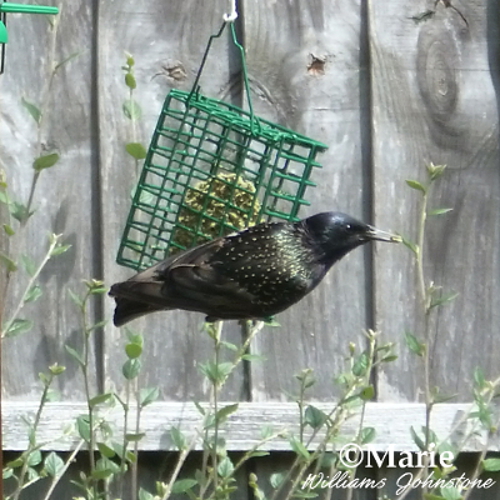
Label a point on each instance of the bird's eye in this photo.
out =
(348, 226)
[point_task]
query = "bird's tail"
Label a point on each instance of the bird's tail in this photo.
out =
(126, 310)
(134, 298)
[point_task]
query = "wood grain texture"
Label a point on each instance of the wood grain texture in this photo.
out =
(167, 41)
(63, 195)
(392, 422)
(306, 73)
(434, 99)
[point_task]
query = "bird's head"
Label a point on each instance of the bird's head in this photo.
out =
(334, 234)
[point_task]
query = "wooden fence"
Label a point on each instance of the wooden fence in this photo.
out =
(388, 86)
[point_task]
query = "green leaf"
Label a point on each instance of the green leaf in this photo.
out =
(435, 171)
(19, 326)
(136, 150)
(8, 263)
(416, 185)
(491, 464)
(414, 344)
(83, 427)
(66, 60)
(53, 464)
(253, 357)
(59, 249)
(276, 479)
(145, 495)
(258, 454)
(33, 294)
(450, 493)
(75, 298)
(14, 464)
(133, 437)
(416, 439)
(409, 244)
(360, 365)
(105, 450)
(133, 350)
(439, 211)
(8, 230)
(199, 408)
(389, 359)
(130, 81)
(32, 474)
(225, 468)
(28, 264)
(431, 496)
(56, 369)
(20, 212)
(34, 458)
(479, 378)
(367, 393)
(367, 435)
(178, 438)
(33, 110)
(99, 399)
(45, 161)
(7, 473)
(315, 417)
(183, 485)
(216, 372)
(445, 298)
(148, 395)
(75, 354)
(224, 412)
(299, 448)
(100, 474)
(132, 110)
(131, 368)
(229, 345)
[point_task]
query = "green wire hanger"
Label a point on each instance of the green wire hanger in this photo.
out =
(6, 7)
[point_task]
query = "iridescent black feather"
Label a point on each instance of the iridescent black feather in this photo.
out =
(253, 274)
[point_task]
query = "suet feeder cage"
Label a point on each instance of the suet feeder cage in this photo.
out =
(213, 169)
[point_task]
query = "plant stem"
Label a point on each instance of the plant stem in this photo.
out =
(43, 106)
(69, 461)
(32, 441)
(126, 410)
(85, 374)
(216, 387)
(133, 465)
(425, 305)
(53, 244)
(180, 462)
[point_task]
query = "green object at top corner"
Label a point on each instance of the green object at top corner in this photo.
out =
(4, 37)
(27, 9)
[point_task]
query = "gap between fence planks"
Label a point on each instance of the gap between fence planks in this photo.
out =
(243, 429)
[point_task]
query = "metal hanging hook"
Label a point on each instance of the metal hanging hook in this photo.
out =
(233, 15)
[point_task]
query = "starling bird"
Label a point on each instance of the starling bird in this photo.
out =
(252, 274)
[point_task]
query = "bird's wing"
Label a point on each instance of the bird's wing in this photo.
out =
(187, 281)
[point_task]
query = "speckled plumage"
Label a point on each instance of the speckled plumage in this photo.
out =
(253, 274)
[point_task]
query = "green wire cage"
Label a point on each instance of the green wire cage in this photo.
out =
(213, 169)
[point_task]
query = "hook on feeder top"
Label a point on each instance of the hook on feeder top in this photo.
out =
(233, 15)
(19, 8)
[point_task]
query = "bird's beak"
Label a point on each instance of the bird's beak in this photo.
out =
(377, 234)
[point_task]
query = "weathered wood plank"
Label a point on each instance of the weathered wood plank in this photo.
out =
(63, 195)
(307, 73)
(435, 99)
(392, 422)
(167, 41)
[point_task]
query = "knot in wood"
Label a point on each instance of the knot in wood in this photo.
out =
(436, 75)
